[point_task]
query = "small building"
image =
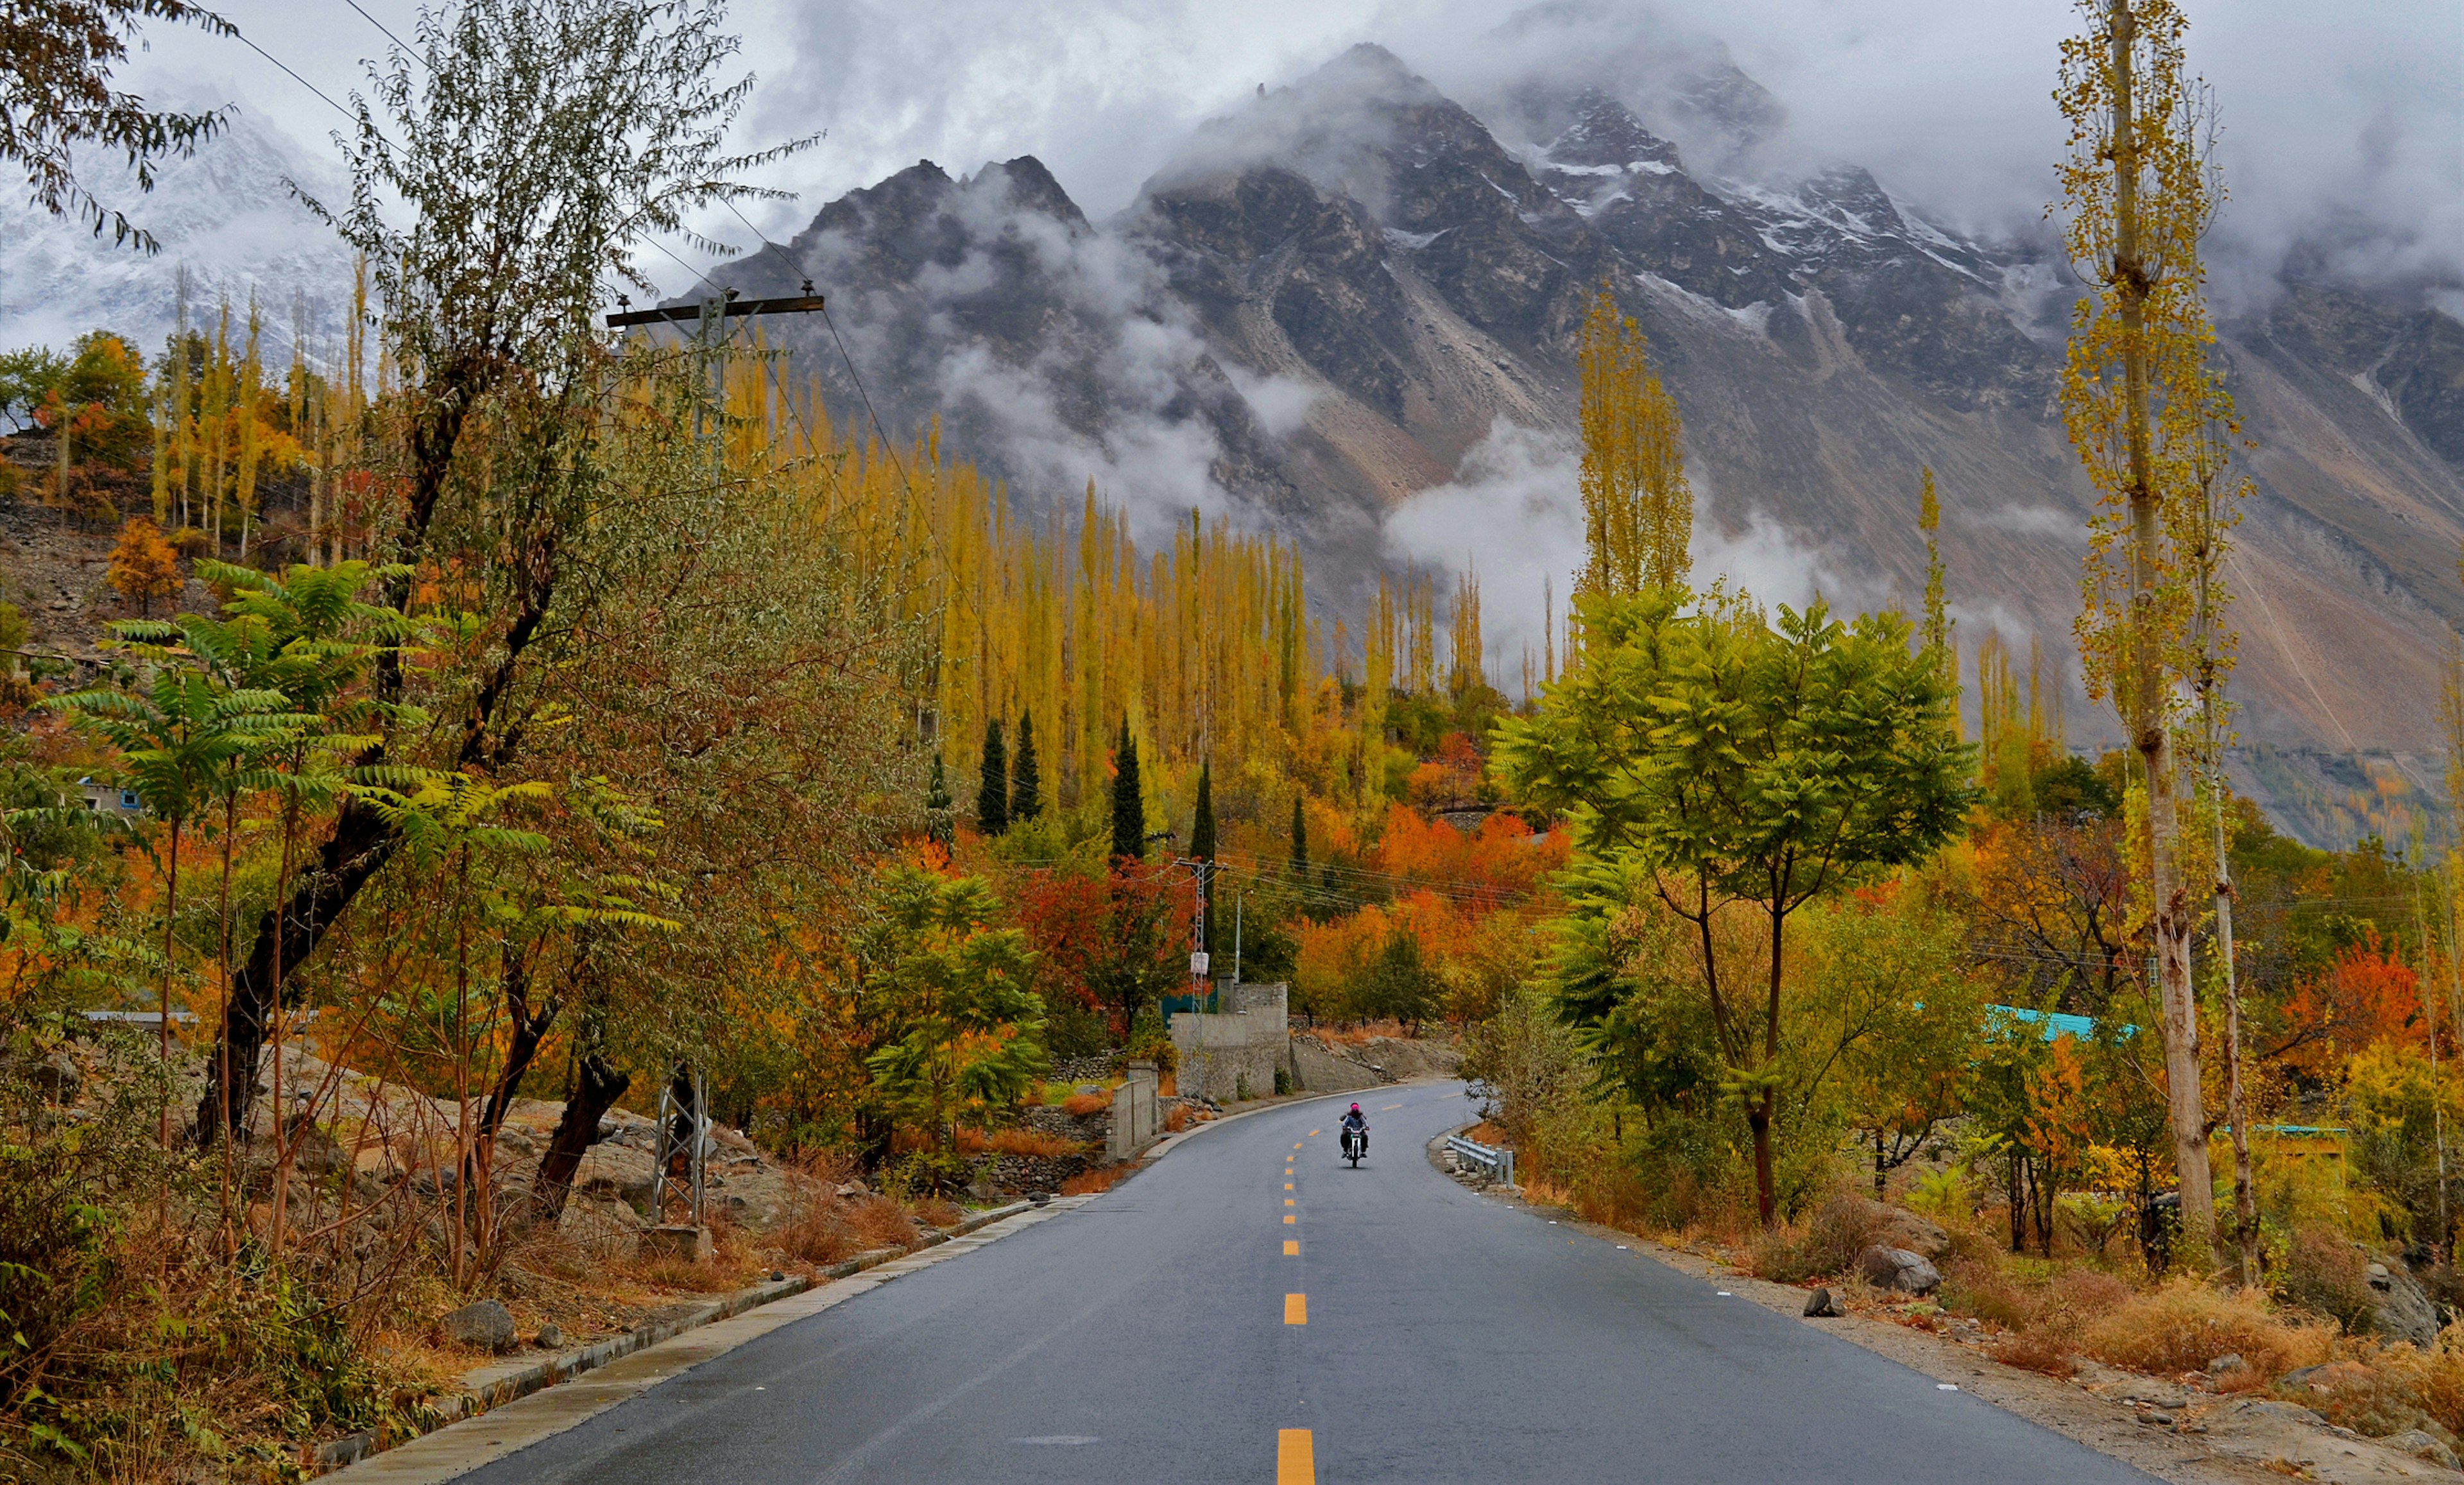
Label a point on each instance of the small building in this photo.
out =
(110, 798)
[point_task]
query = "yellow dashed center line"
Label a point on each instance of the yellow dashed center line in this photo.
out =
(1296, 1463)
(1295, 1309)
(1313, 1135)
(1289, 1202)
(1291, 1247)
(1290, 1221)
(1287, 1186)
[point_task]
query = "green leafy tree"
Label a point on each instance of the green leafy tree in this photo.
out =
(991, 784)
(1905, 1022)
(179, 733)
(961, 1029)
(1129, 801)
(1399, 983)
(1026, 778)
(1744, 762)
(509, 167)
(28, 379)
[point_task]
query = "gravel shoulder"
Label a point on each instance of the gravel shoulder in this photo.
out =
(2213, 1440)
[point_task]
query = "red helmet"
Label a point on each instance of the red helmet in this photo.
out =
(1356, 1108)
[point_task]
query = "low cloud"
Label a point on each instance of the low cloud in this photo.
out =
(1512, 514)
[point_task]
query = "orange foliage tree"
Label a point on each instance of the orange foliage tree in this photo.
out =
(143, 567)
(2366, 996)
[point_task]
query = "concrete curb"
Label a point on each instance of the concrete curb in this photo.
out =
(492, 1387)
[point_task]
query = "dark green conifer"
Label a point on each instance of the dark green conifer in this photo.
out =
(1129, 804)
(1300, 841)
(1201, 845)
(936, 805)
(991, 784)
(1026, 780)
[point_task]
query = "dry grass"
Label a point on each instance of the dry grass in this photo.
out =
(1101, 1178)
(2185, 1325)
(1979, 1287)
(2034, 1350)
(697, 1278)
(1357, 1035)
(935, 1211)
(1032, 1144)
(1178, 1119)
(1078, 1105)
(817, 1233)
(880, 1221)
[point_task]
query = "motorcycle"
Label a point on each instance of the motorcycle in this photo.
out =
(1355, 1145)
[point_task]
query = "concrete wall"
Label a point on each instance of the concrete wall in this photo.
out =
(1237, 1049)
(1134, 1119)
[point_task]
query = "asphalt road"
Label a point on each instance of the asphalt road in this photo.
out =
(1208, 1322)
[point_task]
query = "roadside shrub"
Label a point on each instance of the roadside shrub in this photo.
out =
(930, 1171)
(2376, 1393)
(1842, 1227)
(880, 1221)
(2440, 1382)
(1078, 1105)
(2327, 1275)
(1980, 1287)
(2185, 1325)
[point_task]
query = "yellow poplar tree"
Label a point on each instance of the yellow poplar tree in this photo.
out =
(1637, 508)
(2141, 403)
(1463, 634)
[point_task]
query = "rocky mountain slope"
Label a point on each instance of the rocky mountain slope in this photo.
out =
(1349, 310)
(226, 214)
(1357, 294)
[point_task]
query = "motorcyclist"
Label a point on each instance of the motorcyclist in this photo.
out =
(1355, 1125)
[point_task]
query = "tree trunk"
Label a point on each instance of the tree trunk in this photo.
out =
(285, 938)
(2018, 1202)
(1758, 1118)
(597, 1088)
(362, 843)
(2149, 734)
(530, 1031)
(2237, 1105)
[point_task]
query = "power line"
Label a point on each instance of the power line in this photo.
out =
(391, 36)
(355, 119)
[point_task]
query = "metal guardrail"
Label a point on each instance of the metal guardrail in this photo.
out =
(1497, 1161)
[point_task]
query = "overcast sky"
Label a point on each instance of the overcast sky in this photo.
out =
(2332, 111)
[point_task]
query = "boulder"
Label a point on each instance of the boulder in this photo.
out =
(1820, 1305)
(2422, 1444)
(1899, 1270)
(1897, 1227)
(482, 1323)
(678, 1241)
(58, 1076)
(550, 1337)
(2405, 1311)
(2226, 1364)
